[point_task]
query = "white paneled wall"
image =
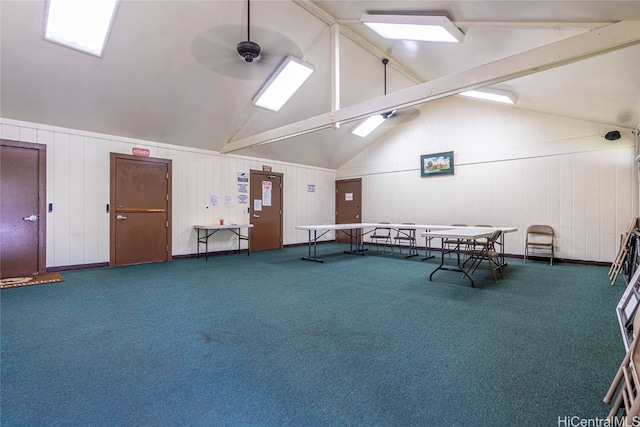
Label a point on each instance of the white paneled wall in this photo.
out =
(78, 184)
(512, 168)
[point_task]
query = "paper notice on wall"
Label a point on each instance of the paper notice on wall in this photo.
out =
(243, 177)
(243, 199)
(266, 193)
(228, 200)
(243, 188)
(257, 205)
(213, 200)
(348, 197)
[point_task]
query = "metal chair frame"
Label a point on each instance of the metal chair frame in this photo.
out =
(546, 246)
(381, 233)
(486, 252)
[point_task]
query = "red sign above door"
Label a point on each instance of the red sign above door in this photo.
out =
(142, 152)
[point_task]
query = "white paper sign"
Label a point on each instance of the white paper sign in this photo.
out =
(348, 197)
(213, 200)
(257, 205)
(266, 193)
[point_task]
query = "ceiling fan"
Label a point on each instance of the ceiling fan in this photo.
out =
(409, 113)
(371, 123)
(247, 49)
(391, 113)
(214, 49)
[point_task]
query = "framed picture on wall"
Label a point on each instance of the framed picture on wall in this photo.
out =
(436, 164)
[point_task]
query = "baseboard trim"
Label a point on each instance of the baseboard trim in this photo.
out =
(77, 267)
(533, 258)
(211, 254)
(244, 251)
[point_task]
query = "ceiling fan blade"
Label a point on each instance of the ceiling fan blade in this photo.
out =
(215, 49)
(406, 114)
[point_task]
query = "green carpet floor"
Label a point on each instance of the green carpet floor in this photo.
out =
(271, 340)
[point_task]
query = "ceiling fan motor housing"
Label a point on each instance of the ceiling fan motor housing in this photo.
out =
(248, 50)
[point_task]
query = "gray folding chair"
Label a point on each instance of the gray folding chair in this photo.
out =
(407, 235)
(381, 234)
(482, 241)
(451, 244)
(540, 240)
(486, 252)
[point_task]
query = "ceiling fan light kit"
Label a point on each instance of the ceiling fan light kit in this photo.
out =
(248, 50)
(281, 86)
(433, 28)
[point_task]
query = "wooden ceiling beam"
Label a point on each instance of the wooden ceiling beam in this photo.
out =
(582, 46)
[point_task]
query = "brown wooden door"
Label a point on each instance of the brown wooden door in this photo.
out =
(22, 209)
(348, 205)
(266, 210)
(140, 209)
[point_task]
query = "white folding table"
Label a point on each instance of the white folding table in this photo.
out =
(461, 235)
(351, 229)
(355, 230)
(206, 231)
(413, 250)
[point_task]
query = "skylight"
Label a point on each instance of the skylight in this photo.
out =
(414, 27)
(80, 24)
(367, 126)
(495, 95)
(287, 79)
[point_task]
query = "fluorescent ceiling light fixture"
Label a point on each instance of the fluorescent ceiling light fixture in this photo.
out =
(414, 27)
(368, 126)
(80, 24)
(495, 95)
(287, 79)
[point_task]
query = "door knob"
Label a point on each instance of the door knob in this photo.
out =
(32, 218)
(358, 216)
(120, 217)
(255, 216)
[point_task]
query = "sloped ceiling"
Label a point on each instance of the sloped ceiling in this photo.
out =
(170, 72)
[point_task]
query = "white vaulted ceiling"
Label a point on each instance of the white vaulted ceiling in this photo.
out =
(170, 71)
